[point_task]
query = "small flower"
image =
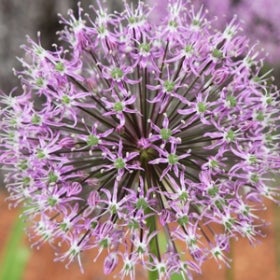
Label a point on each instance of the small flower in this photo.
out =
(136, 122)
(260, 24)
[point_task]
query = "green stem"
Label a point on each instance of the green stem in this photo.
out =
(16, 254)
(230, 270)
(153, 246)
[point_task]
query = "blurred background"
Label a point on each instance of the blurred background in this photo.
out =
(20, 17)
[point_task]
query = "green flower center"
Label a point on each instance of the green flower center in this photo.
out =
(40, 154)
(184, 196)
(52, 177)
(101, 29)
(119, 163)
(59, 67)
(169, 86)
(173, 23)
(23, 165)
(26, 180)
(268, 100)
(141, 249)
(114, 209)
(141, 204)
(144, 48)
(93, 140)
(196, 23)
(230, 136)
(229, 223)
(183, 220)
(118, 106)
(117, 73)
(35, 119)
(220, 203)
(231, 101)
(213, 191)
(260, 116)
(172, 159)
(255, 178)
(104, 243)
(213, 163)
(268, 138)
(133, 20)
(252, 159)
(64, 227)
(11, 135)
(133, 224)
(52, 201)
(189, 49)
(217, 53)
(65, 99)
(39, 82)
(165, 133)
(201, 107)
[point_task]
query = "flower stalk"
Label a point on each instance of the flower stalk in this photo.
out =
(153, 247)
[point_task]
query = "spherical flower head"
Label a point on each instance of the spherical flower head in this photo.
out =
(139, 129)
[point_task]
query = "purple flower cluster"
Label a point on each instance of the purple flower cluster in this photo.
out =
(260, 20)
(136, 131)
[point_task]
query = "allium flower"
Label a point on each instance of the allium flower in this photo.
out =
(137, 130)
(260, 20)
